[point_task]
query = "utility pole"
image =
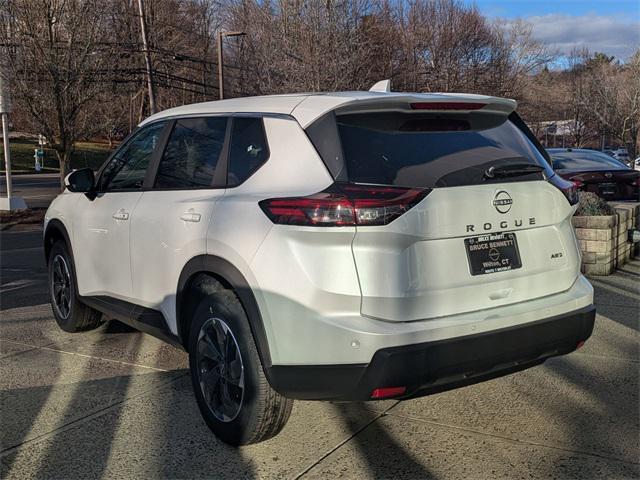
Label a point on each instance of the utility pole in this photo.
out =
(147, 58)
(220, 36)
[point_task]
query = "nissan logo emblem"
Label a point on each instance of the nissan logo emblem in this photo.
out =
(502, 201)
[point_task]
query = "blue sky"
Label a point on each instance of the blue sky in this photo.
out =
(610, 26)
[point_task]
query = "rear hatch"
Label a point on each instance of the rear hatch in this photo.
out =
(492, 229)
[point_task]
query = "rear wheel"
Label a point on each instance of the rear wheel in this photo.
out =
(233, 394)
(71, 315)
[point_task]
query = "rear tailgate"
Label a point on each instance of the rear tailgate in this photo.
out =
(418, 266)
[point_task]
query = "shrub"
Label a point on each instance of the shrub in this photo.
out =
(592, 204)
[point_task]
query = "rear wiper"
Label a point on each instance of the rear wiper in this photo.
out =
(512, 170)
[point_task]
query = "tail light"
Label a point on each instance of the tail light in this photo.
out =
(577, 183)
(569, 189)
(344, 205)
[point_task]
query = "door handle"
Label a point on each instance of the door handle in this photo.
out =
(121, 214)
(190, 216)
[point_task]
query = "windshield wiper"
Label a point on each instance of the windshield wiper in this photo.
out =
(512, 170)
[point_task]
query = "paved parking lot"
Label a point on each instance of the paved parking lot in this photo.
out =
(114, 403)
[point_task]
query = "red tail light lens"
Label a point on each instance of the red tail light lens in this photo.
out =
(569, 189)
(577, 183)
(388, 392)
(344, 205)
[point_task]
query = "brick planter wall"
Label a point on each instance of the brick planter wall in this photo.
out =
(628, 218)
(603, 239)
(597, 236)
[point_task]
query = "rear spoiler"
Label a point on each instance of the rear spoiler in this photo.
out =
(315, 106)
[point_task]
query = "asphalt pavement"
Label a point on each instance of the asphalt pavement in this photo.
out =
(37, 189)
(114, 403)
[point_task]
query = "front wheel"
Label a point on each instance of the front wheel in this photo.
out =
(70, 313)
(233, 394)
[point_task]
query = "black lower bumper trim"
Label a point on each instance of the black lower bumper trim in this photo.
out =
(432, 367)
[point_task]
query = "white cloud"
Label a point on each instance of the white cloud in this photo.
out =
(612, 35)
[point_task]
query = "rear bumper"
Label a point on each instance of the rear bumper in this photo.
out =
(431, 367)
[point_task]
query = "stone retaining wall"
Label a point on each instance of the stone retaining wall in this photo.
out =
(603, 239)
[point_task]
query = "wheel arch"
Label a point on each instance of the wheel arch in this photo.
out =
(55, 231)
(230, 277)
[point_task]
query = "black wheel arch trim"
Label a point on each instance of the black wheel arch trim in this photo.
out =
(55, 225)
(223, 269)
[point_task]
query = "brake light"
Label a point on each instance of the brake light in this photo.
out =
(569, 189)
(577, 183)
(447, 106)
(344, 205)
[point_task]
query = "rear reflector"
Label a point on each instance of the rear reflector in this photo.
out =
(447, 106)
(580, 344)
(344, 204)
(387, 392)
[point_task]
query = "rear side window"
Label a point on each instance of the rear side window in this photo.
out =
(418, 150)
(248, 149)
(192, 153)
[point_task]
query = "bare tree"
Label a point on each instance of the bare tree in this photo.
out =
(612, 96)
(79, 68)
(58, 59)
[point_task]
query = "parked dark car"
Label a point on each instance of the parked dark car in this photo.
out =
(596, 172)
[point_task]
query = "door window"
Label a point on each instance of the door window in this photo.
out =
(248, 149)
(128, 167)
(192, 153)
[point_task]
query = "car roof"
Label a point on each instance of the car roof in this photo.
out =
(307, 107)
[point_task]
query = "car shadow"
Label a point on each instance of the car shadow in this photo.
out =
(384, 456)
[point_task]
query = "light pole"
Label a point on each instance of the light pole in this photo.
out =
(10, 202)
(222, 34)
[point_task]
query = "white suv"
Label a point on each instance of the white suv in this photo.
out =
(340, 246)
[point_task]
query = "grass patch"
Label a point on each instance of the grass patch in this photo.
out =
(86, 154)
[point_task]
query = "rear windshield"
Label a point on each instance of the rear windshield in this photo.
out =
(418, 150)
(585, 160)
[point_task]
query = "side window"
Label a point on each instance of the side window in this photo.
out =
(127, 169)
(248, 149)
(192, 153)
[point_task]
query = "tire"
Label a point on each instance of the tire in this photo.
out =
(71, 315)
(234, 396)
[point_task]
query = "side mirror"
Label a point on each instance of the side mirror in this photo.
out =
(82, 181)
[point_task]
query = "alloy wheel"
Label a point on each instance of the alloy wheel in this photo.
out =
(61, 286)
(220, 369)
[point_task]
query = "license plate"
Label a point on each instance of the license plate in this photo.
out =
(493, 253)
(608, 188)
